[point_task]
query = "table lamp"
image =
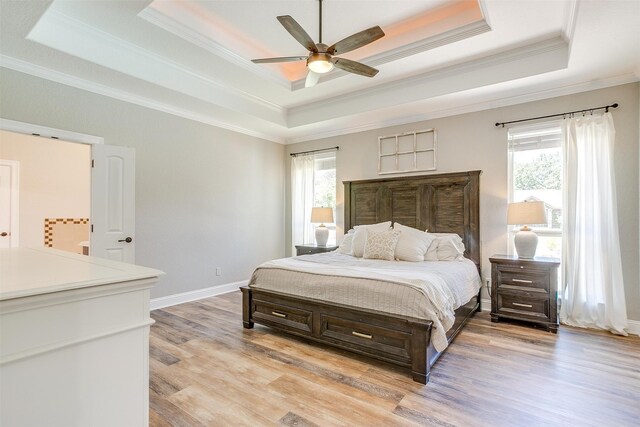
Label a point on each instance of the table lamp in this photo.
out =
(320, 216)
(526, 213)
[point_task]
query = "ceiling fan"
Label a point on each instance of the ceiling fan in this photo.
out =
(321, 58)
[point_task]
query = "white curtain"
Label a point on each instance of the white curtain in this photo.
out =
(302, 179)
(593, 294)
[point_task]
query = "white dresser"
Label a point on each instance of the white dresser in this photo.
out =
(74, 340)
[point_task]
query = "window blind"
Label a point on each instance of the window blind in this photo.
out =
(535, 137)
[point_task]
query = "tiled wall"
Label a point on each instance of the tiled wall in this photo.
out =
(66, 233)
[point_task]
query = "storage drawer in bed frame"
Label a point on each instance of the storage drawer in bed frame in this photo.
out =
(397, 339)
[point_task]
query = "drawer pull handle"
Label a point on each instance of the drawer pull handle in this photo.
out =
(522, 305)
(275, 313)
(522, 281)
(358, 334)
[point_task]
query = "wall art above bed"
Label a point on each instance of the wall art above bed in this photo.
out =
(407, 152)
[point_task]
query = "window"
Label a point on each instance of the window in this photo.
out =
(313, 184)
(324, 187)
(535, 174)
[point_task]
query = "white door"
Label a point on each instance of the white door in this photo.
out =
(113, 203)
(9, 191)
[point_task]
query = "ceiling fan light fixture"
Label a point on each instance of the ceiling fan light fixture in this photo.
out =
(320, 63)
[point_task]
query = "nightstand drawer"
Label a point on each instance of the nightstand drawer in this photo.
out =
(525, 289)
(313, 249)
(306, 251)
(526, 278)
(523, 305)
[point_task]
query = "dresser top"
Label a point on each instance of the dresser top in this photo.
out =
(515, 259)
(35, 271)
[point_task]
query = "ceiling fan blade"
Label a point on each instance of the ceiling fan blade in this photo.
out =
(354, 67)
(312, 79)
(356, 41)
(281, 59)
(298, 33)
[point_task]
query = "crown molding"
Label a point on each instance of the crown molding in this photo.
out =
(100, 89)
(523, 61)
(60, 31)
(47, 132)
(472, 108)
(572, 20)
(192, 36)
(68, 80)
(442, 39)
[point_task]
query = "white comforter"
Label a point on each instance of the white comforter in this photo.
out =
(427, 290)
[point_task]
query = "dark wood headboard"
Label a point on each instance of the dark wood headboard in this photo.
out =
(441, 203)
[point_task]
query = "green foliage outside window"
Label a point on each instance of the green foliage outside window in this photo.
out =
(325, 188)
(544, 172)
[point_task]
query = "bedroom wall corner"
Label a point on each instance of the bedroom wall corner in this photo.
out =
(206, 197)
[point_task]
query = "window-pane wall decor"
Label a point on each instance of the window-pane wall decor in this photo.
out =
(407, 152)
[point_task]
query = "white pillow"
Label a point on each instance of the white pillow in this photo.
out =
(450, 249)
(381, 244)
(446, 247)
(432, 252)
(360, 236)
(347, 242)
(412, 244)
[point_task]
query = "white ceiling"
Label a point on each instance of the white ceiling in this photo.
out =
(192, 58)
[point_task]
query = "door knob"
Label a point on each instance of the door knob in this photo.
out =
(4, 234)
(128, 240)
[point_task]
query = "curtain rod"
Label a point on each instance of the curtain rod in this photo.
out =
(606, 108)
(314, 151)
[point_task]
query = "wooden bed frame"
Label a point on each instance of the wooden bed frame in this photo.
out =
(441, 203)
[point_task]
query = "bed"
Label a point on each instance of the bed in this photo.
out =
(441, 203)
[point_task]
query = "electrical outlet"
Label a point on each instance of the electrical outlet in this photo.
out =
(218, 271)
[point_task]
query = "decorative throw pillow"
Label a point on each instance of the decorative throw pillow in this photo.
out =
(412, 244)
(347, 242)
(381, 244)
(360, 236)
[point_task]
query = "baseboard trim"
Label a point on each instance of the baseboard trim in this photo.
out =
(634, 327)
(486, 305)
(183, 297)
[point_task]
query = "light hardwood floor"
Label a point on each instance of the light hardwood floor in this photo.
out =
(207, 370)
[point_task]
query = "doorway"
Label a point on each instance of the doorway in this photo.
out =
(76, 193)
(52, 179)
(9, 203)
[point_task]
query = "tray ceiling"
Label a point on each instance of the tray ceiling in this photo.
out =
(193, 58)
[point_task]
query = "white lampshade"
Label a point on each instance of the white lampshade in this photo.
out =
(321, 215)
(526, 213)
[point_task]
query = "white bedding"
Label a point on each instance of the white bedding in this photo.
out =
(429, 290)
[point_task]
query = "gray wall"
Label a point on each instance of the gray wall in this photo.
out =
(205, 197)
(471, 141)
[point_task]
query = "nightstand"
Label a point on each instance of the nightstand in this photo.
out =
(314, 249)
(525, 289)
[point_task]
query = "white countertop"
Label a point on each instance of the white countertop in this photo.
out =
(33, 271)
